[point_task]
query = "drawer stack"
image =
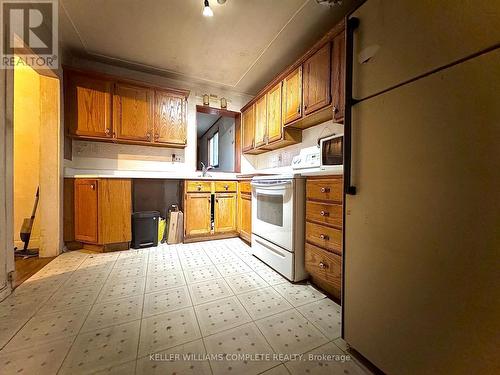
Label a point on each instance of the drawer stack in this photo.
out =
(323, 252)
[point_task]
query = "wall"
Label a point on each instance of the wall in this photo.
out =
(108, 156)
(26, 149)
(225, 127)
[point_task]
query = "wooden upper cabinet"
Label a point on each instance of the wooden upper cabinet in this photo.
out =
(338, 77)
(197, 214)
(316, 71)
(248, 129)
(225, 212)
(292, 96)
(170, 118)
(274, 124)
(133, 112)
(261, 121)
(86, 210)
(88, 106)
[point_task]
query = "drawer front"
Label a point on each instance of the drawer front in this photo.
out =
(198, 186)
(325, 189)
(245, 187)
(325, 269)
(324, 213)
(223, 186)
(325, 237)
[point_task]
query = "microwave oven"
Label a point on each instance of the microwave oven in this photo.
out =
(332, 150)
(328, 153)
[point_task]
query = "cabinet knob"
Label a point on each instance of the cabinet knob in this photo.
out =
(325, 189)
(324, 213)
(198, 187)
(324, 237)
(305, 107)
(107, 131)
(322, 265)
(157, 136)
(226, 187)
(335, 109)
(92, 186)
(148, 135)
(298, 109)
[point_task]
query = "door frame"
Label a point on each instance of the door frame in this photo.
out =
(7, 259)
(237, 131)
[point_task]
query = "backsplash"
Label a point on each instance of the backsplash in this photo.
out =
(283, 157)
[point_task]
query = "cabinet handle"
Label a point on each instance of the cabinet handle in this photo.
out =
(305, 108)
(324, 237)
(325, 189)
(298, 109)
(226, 187)
(107, 131)
(148, 135)
(92, 186)
(199, 187)
(157, 136)
(335, 109)
(324, 213)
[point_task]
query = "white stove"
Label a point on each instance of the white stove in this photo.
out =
(278, 223)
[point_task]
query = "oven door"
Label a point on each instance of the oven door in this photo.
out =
(272, 211)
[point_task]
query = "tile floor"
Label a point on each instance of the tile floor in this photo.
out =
(202, 308)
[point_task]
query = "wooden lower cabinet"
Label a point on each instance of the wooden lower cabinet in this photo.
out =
(209, 210)
(102, 210)
(323, 250)
(225, 212)
(325, 269)
(245, 210)
(197, 217)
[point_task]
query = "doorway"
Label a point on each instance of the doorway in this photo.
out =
(33, 153)
(218, 139)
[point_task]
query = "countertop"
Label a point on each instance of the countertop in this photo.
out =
(179, 175)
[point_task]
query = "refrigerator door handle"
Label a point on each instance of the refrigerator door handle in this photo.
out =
(352, 25)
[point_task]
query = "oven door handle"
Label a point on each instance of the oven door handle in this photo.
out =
(272, 185)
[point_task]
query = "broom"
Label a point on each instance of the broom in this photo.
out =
(26, 232)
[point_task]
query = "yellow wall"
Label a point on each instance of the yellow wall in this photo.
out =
(26, 148)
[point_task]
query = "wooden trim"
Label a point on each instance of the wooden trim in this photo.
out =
(129, 142)
(337, 29)
(216, 111)
(210, 237)
(237, 143)
(184, 93)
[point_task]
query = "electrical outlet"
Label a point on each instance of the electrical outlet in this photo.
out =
(176, 158)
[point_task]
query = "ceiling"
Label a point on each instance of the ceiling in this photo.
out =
(203, 122)
(242, 47)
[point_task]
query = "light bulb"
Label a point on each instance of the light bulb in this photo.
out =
(207, 11)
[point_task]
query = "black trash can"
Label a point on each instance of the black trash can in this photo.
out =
(145, 229)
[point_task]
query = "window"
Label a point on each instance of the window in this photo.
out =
(213, 150)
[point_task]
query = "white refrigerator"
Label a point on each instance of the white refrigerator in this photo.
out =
(422, 230)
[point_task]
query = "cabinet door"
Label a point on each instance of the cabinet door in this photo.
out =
(88, 105)
(317, 80)
(261, 121)
(225, 213)
(338, 77)
(274, 124)
(170, 118)
(248, 129)
(197, 215)
(86, 215)
(133, 112)
(246, 216)
(115, 210)
(292, 96)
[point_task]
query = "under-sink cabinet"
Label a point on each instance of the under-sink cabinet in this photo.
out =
(210, 210)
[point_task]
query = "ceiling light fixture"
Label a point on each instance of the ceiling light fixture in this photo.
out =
(207, 11)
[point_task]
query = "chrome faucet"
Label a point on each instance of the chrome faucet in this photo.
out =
(205, 169)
